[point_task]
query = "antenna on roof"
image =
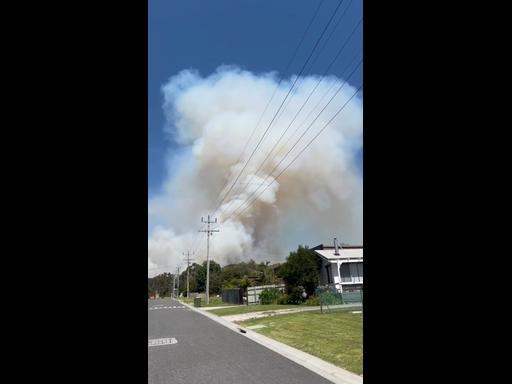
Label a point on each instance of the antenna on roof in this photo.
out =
(336, 247)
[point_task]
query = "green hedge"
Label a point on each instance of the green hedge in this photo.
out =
(270, 296)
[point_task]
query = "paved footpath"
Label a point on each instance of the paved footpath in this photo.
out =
(186, 347)
(220, 307)
(260, 314)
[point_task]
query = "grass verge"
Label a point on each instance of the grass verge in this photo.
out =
(336, 336)
(214, 302)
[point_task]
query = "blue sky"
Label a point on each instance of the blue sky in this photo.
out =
(259, 36)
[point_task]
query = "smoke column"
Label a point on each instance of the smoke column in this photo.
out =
(211, 118)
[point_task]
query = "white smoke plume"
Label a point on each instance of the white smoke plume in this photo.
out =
(317, 198)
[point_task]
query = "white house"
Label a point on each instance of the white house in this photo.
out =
(342, 266)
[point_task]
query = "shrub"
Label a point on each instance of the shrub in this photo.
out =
(283, 299)
(301, 269)
(313, 300)
(295, 295)
(269, 296)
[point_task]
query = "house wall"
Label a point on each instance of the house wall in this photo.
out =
(335, 268)
(324, 278)
(346, 275)
(328, 273)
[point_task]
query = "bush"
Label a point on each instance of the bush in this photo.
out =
(295, 295)
(283, 299)
(313, 300)
(270, 296)
(301, 269)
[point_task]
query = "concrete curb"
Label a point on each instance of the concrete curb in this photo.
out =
(323, 368)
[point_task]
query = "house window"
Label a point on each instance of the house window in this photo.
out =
(329, 276)
(351, 272)
(356, 272)
(360, 271)
(345, 272)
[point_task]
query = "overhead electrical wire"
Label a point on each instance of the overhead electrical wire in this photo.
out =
(295, 158)
(306, 101)
(281, 105)
(271, 98)
(315, 14)
(298, 140)
(241, 190)
(319, 52)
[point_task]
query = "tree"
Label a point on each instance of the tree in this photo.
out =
(302, 269)
(161, 283)
(197, 278)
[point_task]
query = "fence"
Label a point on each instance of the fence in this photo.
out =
(232, 295)
(253, 293)
(352, 297)
(329, 295)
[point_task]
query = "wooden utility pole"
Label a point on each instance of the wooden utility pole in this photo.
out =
(188, 260)
(208, 234)
(178, 282)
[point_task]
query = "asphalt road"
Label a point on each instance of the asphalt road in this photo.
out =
(203, 351)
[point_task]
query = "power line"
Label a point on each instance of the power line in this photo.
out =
(254, 174)
(196, 244)
(316, 106)
(284, 100)
(305, 131)
(319, 52)
(332, 32)
(270, 100)
(305, 102)
(303, 149)
(280, 107)
(326, 41)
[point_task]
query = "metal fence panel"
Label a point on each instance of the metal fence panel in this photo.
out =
(232, 295)
(253, 293)
(352, 297)
(329, 295)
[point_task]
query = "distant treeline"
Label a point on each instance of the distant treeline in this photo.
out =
(300, 269)
(230, 276)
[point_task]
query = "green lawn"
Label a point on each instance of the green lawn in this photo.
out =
(214, 301)
(336, 337)
(251, 308)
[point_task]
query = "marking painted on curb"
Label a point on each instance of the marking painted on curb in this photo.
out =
(163, 341)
